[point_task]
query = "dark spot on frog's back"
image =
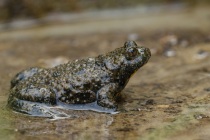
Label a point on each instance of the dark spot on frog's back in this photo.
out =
(86, 84)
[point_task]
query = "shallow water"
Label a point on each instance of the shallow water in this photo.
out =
(7, 130)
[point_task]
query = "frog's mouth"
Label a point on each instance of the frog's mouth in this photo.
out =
(145, 54)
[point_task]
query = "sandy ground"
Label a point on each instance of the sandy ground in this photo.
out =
(169, 98)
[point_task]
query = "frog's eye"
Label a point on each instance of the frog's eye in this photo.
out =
(131, 52)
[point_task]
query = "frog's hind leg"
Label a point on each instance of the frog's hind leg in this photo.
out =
(35, 109)
(35, 101)
(25, 74)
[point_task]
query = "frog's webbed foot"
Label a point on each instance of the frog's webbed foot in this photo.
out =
(23, 75)
(35, 109)
(106, 96)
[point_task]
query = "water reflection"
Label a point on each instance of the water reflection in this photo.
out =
(89, 125)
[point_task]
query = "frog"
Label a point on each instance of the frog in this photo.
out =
(93, 83)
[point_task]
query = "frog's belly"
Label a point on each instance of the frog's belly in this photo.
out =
(89, 106)
(49, 111)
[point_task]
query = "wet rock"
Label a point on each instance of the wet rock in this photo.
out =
(207, 89)
(172, 109)
(151, 129)
(162, 106)
(169, 53)
(169, 119)
(150, 102)
(169, 40)
(184, 43)
(177, 101)
(147, 102)
(200, 116)
(201, 54)
(207, 40)
(124, 129)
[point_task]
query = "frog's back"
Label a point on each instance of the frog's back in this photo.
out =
(76, 77)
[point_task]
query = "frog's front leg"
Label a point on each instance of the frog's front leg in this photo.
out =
(107, 95)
